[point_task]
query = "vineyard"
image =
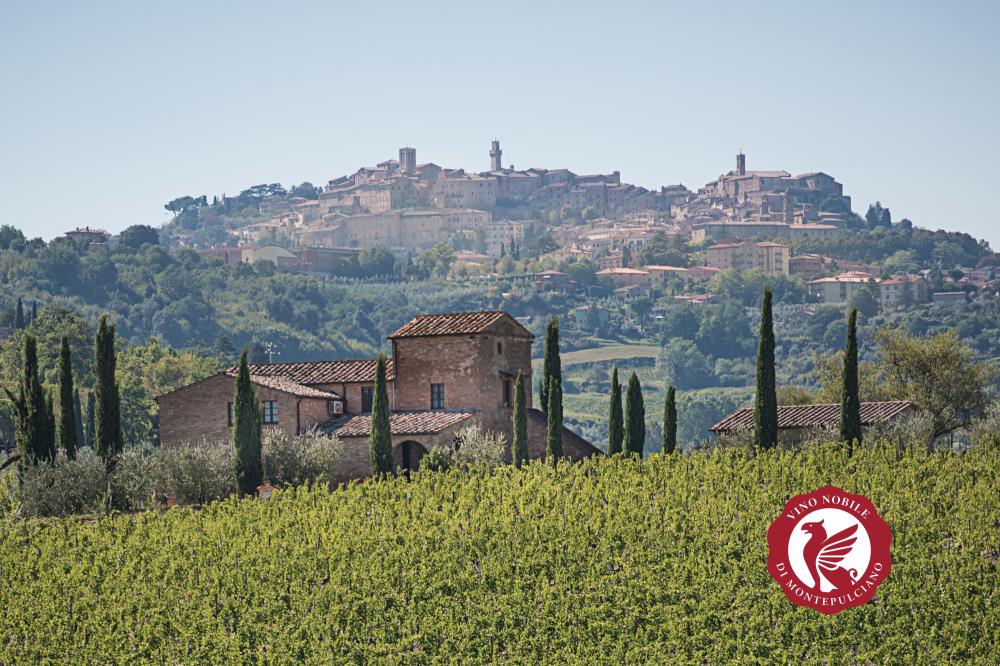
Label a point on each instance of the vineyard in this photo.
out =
(607, 561)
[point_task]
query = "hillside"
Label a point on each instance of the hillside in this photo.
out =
(608, 561)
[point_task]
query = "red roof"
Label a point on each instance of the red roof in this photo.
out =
(456, 323)
(319, 372)
(423, 422)
(808, 416)
(293, 388)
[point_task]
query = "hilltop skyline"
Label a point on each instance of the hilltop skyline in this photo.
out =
(118, 111)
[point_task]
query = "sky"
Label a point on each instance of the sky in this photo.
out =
(110, 109)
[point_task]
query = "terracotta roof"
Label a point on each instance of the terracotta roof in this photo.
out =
(807, 416)
(423, 422)
(455, 323)
(293, 388)
(319, 372)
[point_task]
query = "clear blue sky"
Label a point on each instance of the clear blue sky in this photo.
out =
(110, 109)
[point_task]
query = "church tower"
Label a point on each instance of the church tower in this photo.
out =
(495, 163)
(741, 164)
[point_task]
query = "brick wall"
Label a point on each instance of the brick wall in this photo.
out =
(201, 411)
(469, 366)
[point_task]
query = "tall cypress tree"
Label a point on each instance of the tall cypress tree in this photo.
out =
(91, 429)
(765, 411)
(551, 364)
(78, 418)
(553, 436)
(34, 311)
(19, 321)
(247, 431)
(380, 436)
(107, 417)
(30, 418)
(670, 421)
(49, 440)
(635, 417)
(519, 448)
(850, 400)
(67, 406)
(616, 427)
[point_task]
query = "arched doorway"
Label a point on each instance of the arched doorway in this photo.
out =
(410, 453)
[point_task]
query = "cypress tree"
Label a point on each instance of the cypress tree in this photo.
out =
(34, 311)
(551, 365)
(49, 439)
(91, 429)
(519, 448)
(765, 412)
(635, 417)
(78, 418)
(616, 428)
(107, 416)
(553, 437)
(67, 405)
(380, 436)
(19, 321)
(670, 421)
(247, 430)
(850, 401)
(30, 418)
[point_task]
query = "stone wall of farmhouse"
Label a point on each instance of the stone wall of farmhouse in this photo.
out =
(200, 411)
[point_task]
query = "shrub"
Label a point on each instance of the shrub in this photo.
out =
(195, 473)
(438, 459)
(307, 458)
(61, 487)
(474, 446)
(133, 482)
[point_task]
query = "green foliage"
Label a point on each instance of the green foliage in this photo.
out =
(247, 431)
(670, 421)
(553, 435)
(108, 439)
(603, 562)
(137, 235)
(519, 447)
(635, 417)
(765, 413)
(35, 435)
(616, 424)
(928, 248)
(311, 457)
(850, 397)
(68, 400)
(380, 438)
(551, 363)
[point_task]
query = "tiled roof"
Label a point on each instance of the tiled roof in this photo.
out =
(807, 416)
(288, 386)
(319, 372)
(424, 422)
(456, 323)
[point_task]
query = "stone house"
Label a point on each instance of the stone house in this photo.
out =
(903, 289)
(795, 421)
(448, 371)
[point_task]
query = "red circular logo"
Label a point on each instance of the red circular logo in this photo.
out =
(829, 550)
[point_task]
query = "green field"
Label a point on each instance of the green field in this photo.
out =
(607, 353)
(607, 561)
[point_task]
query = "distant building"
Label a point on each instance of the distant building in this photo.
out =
(903, 289)
(766, 257)
(808, 265)
(839, 288)
(627, 277)
(591, 317)
(795, 420)
(554, 280)
(659, 275)
(950, 297)
(89, 236)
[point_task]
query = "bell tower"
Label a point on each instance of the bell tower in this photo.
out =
(741, 163)
(495, 152)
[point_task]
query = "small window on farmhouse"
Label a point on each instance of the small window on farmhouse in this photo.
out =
(507, 402)
(437, 396)
(367, 397)
(270, 409)
(499, 348)
(229, 413)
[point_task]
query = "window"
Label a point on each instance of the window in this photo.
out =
(506, 394)
(499, 348)
(270, 408)
(230, 414)
(437, 396)
(367, 398)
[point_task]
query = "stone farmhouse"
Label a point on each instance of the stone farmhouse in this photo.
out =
(447, 371)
